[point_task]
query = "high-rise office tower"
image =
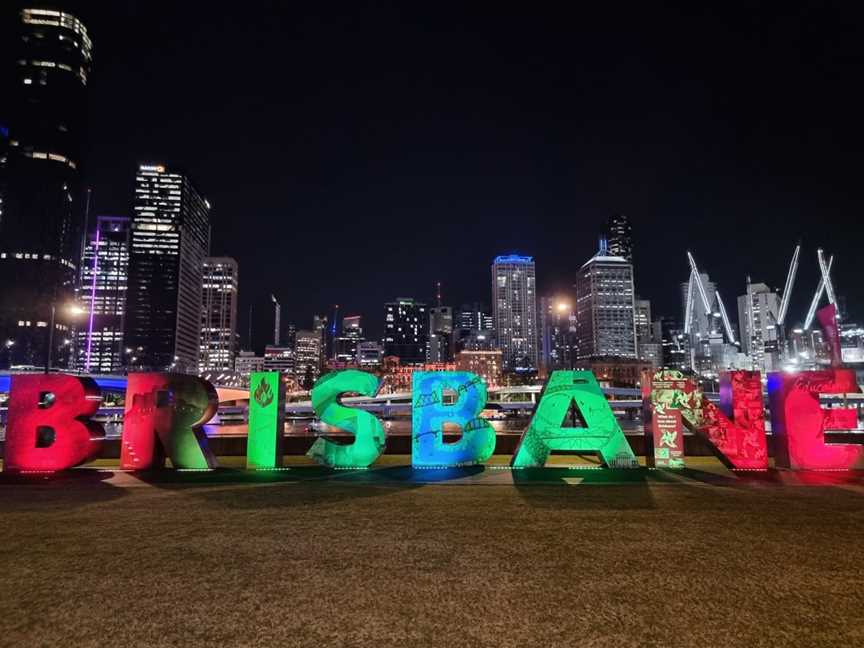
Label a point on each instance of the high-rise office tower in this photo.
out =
(620, 237)
(605, 307)
(345, 345)
(42, 112)
(440, 333)
(104, 279)
(757, 313)
(648, 345)
(307, 357)
(219, 315)
(514, 311)
(170, 239)
(475, 317)
(406, 330)
(557, 333)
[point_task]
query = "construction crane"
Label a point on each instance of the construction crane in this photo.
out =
(706, 303)
(823, 282)
(790, 285)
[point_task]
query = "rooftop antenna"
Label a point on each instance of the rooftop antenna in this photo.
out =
(438, 293)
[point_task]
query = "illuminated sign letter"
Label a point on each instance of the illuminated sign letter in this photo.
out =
(163, 418)
(735, 431)
(798, 422)
(49, 426)
(601, 433)
(367, 430)
(430, 413)
(266, 420)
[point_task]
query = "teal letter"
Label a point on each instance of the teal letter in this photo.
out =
(603, 434)
(368, 434)
(429, 414)
(266, 420)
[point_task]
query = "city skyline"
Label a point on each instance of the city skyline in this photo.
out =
(751, 187)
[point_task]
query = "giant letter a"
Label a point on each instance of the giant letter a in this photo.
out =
(601, 435)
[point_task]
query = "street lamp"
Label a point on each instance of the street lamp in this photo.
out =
(71, 309)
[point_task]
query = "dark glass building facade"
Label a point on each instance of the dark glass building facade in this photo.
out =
(406, 330)
(170, 240)
(42, 121)
(620, 237)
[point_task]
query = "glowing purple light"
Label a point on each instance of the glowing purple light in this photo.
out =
(92, 300)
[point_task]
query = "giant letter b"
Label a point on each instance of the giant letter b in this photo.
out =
(49, 426)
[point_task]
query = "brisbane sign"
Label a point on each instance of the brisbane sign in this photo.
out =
(50, 425)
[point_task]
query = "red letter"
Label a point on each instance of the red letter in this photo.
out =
(49, 427)
(798, 421)
(163, 417)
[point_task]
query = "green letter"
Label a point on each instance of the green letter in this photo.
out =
(603, 434)
(266, 420)
(368, 434)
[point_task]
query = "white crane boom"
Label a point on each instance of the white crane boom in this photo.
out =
(811, 313)
(790, 284)
(688, 308)
(726, 324)
(826, 276)
(705, 301)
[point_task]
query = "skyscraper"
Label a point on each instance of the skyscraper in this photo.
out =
(42, 114)
(557, 333)
(406, 330)
(219, 314)
(514, 311)
(345, 345)
(170, 239)
(440, 333)
(620, 237)
(757, 314)
(307, 357)
(605, 307)
(104, 279)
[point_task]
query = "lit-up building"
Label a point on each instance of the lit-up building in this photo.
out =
(218, 314)
(757, 316)
(369, 355)
(42, 119)
(440, 333)
(486, 364)
(247, 362)
(307, 357)
(406, 330)
(514, 311)
(474, 316)
(605, 305)
(278, 358)
(104, 278)
(557, 333)
(648, 345)
(620, 237)
(345, 345)
(170, 240)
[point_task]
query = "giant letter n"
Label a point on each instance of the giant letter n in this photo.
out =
(601, 434)
(163, 418)
(49, 427)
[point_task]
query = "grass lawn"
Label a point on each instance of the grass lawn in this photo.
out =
(311, 558)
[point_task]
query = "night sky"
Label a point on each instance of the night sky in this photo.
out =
(361, 152)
